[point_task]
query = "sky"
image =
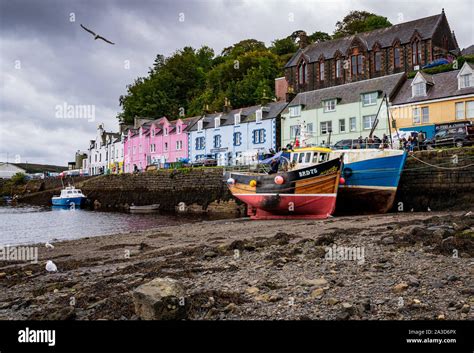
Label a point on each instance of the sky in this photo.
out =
(57, 84)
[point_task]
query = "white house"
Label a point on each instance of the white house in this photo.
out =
(100, 151)
(7, 170)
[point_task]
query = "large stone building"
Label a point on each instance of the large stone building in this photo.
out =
(400, 48)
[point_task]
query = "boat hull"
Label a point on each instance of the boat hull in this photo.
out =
(306, 193)
(371, 182)
(77, 201)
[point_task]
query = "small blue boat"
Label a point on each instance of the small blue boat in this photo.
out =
(371, 178)
(69, 196)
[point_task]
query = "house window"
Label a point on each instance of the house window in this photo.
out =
(396, 57)
(326, 127)
(237, 119)
(416, 52)
(369, 98)
(258, 115)
(294, 131)
(321, 71)
(470, 109)
(342, 125)
(199, 125)
(199, 143)
(352, 124)
(166, 131)
(152, 132)
(466, 81)
(152, 147)
(179, 145)
(258, 136)
(237, 138)
(178, 129)
(419, 89)
(421, 115)
(217, 141)
(356, 64)
(295, 111)
(166, 146)
(217, 122)
(329, 105)
(338, 68)
(460, 110)
(368, 121)
(309, 128)
(378, 61)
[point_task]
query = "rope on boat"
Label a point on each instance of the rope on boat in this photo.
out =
(440, 167)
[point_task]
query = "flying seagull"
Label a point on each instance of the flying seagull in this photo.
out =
(96, 36)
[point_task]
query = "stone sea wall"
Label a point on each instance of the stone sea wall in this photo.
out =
(438, 180)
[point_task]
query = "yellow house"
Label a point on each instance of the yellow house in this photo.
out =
(429, 103)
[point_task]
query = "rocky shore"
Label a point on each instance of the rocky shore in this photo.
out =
(402, 266)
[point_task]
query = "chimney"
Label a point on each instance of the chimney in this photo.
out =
(281, 88)
(303, 39)
(227, 107)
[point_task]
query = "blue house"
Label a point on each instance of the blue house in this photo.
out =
(232, 135)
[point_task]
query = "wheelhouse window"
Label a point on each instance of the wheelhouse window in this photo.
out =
(321, 71)
(396, 57)
(326, 127)
(302, 73)
(416, 52)
(329, 105)
(368, 121)
(295, 111)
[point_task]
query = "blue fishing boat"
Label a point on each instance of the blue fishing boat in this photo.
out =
(69, 196)
(371, 178)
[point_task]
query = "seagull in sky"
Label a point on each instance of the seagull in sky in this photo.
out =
(96, 36)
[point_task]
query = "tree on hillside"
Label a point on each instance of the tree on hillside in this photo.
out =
(358, 22)
(318, 37)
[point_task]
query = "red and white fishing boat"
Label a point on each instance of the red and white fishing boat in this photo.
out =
(307, 189)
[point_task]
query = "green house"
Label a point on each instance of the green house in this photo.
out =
(341, 112)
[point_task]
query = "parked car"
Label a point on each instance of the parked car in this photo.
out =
(207, 161)
(457, 137)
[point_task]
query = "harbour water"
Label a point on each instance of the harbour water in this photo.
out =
(33, 224)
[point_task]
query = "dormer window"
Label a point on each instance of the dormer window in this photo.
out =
(258, 115)
(418, 89)
(140, 132)
(295, 111)
(302, 73)
(152, 132)
(199, 125)
(217, 122)
(237, 119)
(330, 105)
(369, 98)
(466, 81)
(178, 129)
(165, 131)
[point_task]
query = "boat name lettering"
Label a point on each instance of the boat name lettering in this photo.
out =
(304, 173)
(329, 171)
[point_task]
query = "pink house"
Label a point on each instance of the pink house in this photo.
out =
(155, 142)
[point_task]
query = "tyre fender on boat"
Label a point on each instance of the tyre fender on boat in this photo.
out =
(347, 172)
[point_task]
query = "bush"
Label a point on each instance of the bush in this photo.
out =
(19, 179)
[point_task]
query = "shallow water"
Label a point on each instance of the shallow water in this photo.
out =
(34, 224)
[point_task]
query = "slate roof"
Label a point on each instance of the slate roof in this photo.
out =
(248, 114)
(445, 85)
(384, 36)
(349, 92)
(468, 51)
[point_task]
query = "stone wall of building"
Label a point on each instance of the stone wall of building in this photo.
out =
(450, 187)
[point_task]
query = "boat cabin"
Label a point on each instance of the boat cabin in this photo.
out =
(306, 156)
(71, 192)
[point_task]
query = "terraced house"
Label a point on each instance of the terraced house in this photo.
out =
(428, 103)
(341, 112)
(100, 151)
(403, 47)
(230, 134)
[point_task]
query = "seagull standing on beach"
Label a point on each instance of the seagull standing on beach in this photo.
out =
(96, 36)
(49, 246)
(51, 266)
